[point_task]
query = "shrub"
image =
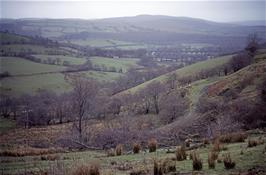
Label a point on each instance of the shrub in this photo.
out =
(152, 145)
(87, 170)
(136, 148)
(119, 150)
(252, 143)
(212, 156)
(180, 153)
(111, 152)
(196, 161)
(228, 163)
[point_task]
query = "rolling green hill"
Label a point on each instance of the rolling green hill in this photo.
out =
(185, 71)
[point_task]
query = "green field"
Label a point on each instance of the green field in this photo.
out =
(16, 86)
(21, 66)
(186, 71)
(117, 63)
(67, 162)
(103, 76)
(55, 82)
(72, 60)
(36, 49)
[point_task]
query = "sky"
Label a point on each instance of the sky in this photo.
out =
(220, 11)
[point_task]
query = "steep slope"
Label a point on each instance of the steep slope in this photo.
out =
(231, 101)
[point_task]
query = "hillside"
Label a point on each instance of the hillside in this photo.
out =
(184, 72)
(236, 96)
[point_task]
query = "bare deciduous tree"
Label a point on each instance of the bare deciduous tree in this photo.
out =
(84, 92)
(153, 91)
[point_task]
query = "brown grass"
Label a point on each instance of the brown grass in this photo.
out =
(233, 137)
(180, 153)
(139, 172)
(196, 161)
(152, 145)
(119, 150)
(87, 170)
(50, 157)
(216, 146)
(136, 148)
(111, 152)
(252, 143)
(163, 166)
(212, 156)
(228, 163)
(28, 151)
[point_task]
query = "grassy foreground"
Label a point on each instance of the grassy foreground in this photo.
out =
(66, 163)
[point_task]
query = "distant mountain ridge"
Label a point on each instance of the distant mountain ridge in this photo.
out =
(142, 29)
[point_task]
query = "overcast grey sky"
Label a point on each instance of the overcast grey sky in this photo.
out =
(222, 11)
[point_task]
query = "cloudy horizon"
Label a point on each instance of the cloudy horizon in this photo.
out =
(220, 11)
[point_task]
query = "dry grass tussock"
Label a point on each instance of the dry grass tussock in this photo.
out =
(136, 148)
(228, 163)
(212, 156)
(180, 153)
(119, 150)
(152, 145)
(233, 137)
(196, 161)
(92, 169)
(163, 166)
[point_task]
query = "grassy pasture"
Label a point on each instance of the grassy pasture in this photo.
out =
(72, 60)
(21, 66)
(66, 162)
(31, 84)
(37, 49)
(55, 82)
(118, 63)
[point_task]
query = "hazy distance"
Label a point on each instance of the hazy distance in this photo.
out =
(220, 11)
